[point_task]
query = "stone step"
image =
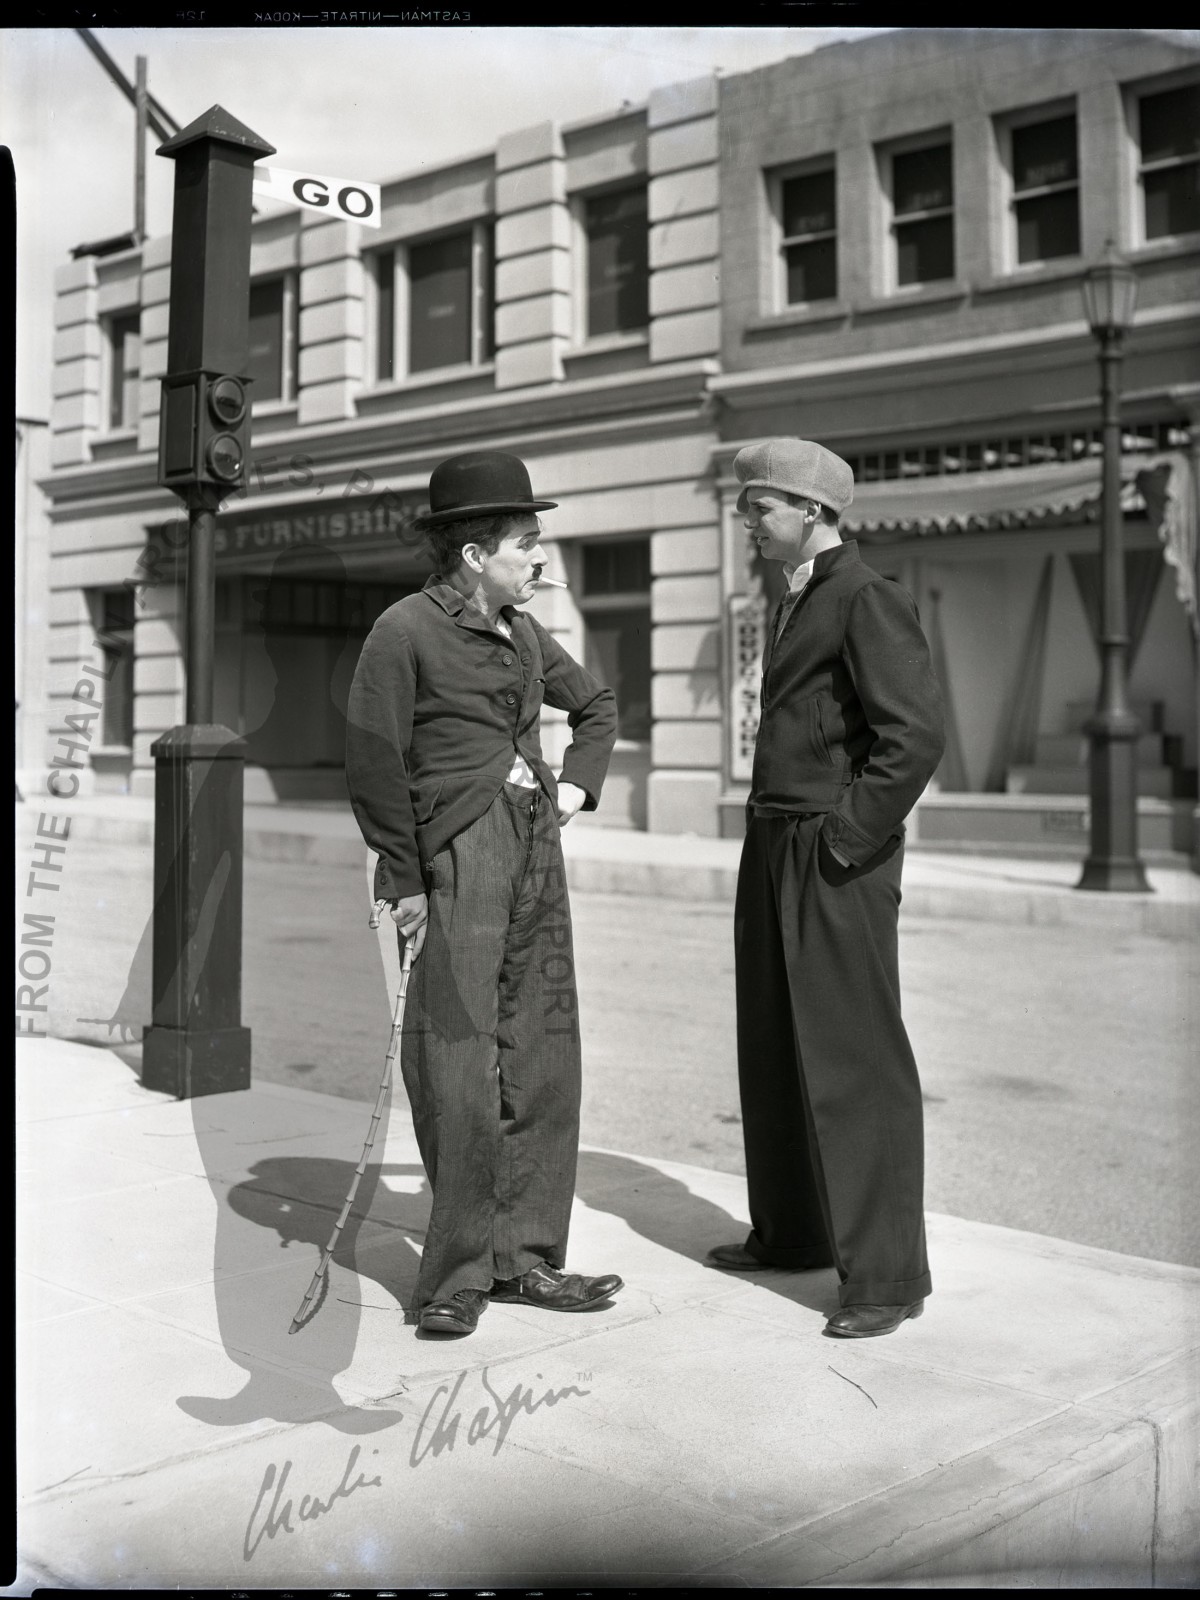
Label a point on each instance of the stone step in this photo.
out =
(1067, 749)
(1156, 783)
(1045, 824)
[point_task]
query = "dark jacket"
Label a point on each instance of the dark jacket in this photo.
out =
(440, 704)
(851, 709)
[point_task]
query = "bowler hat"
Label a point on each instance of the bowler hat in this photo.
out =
(479, 484)
(796, 466)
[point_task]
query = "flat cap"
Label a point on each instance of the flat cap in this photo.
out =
(796, 466)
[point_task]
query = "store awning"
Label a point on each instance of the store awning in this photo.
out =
(1017, 497)
(1160, 487)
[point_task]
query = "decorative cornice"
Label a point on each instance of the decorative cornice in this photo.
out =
(885, 369)
(666, 398)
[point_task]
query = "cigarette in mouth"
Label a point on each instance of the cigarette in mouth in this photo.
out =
(554, 583)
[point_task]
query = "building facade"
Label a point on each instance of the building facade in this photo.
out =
(878, 245)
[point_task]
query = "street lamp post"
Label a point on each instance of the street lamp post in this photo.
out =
(1109, 298)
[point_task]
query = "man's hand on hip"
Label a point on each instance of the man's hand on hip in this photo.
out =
(570, 799)
(411, 915)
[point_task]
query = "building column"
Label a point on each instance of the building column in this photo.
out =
(329, 363)
(682, 158)
(1106, 171)
(862, 238)
(533, 257)
(687, 736)
(75, 412)
(980, 221)
(155, 320)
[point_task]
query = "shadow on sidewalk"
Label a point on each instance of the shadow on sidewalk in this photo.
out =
(290, 1200)
(665, 1211)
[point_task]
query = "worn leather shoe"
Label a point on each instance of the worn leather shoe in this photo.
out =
(456, 1316)
(554, 1290)
(736, 1258)
(868, 1322)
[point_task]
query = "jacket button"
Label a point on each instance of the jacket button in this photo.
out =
(511, 699)
(506, 661)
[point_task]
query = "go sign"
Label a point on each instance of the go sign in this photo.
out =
(351, 199)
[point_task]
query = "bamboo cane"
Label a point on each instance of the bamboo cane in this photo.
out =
(385, 1085)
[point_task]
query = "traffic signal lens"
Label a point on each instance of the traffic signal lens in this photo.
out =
(225, 457)
(227, 400)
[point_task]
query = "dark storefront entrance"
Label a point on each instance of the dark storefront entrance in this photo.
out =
(298, 590)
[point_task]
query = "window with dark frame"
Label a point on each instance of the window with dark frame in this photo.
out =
(439, 301)
(124, 344)
(116, 608)
(923, 214)
(272, 356)
(617, 230)
(808, 217)
(385, 316)
(451, 304)
(1045, 179)
(1169, 169)
(485, 292)
(615, 603)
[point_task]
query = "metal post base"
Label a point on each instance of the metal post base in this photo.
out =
(196, 1043)
(1112, 862)
(184, 1061)
(1128, 877)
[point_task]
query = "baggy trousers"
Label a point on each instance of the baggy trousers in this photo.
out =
(831, 1102)
(490, 1051)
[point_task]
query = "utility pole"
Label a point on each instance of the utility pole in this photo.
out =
(139, 158)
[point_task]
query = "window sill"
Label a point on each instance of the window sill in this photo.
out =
(806, 316)
(284, 413)
(116, 442)
(906, 299)
(604, 342)
(459, 373)
(1037, 272)
(110, 752)
(1177, 244)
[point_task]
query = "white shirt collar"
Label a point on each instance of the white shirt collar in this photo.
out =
(797, 577)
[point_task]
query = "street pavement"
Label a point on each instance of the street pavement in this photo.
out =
(1057, 1058)
(1036, 1428)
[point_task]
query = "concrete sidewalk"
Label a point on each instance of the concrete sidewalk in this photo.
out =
(1038, 1426)
(681, 866)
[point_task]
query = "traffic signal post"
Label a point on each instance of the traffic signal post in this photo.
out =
(195, 1043)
